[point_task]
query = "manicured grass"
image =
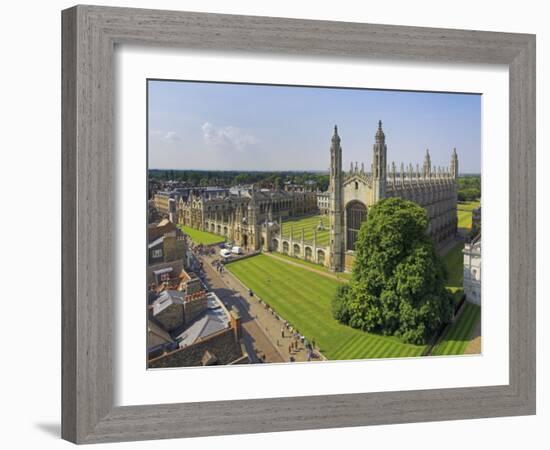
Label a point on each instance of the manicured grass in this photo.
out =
(342, 275)
(457, 336)
(303, 298)
(464, 213)
(308, 224)
(468, 206)
(454, 262)
(201, 237)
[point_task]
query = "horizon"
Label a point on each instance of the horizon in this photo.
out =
(274, 128)
(460, 174)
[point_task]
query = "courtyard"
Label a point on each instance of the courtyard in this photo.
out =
(201, 237)
(459, 334)
(301, 293)
(454, 263)
(308, 224)
(303, 297)
(464, 213)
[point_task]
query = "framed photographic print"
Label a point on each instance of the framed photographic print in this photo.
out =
(283, 217)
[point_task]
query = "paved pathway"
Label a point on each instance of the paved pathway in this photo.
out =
(474, 346)
(261, 327)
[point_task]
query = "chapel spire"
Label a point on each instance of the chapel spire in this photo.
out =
(454, 164)
(335, 137)
(380, 137)
(336, 200)
(427, 169)
(379, 151)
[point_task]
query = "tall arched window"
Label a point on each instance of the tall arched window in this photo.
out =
(356, 212)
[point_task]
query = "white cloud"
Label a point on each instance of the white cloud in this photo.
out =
(172, 136)
(168, 136)
(227, 137)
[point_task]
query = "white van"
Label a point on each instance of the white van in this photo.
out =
(225, 253)
(237, 250)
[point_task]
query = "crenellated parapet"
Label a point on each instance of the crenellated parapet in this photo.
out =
(411, 178)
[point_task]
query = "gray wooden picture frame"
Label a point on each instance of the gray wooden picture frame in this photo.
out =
(90, 34)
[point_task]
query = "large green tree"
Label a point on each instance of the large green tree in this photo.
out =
(397, 287)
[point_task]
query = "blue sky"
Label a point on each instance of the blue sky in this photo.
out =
(195, 125)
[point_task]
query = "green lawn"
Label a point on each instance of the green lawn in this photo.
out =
(308, 224)
(342, 275)
(454, 262)
(201, 237)
(457, 336)
(303, 298)
(464, 213)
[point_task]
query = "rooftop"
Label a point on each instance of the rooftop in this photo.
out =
(156, 242)
(167, 298)
(214, 319)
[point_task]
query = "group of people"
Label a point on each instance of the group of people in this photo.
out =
(296, 339)
(203, 250)
(218, 266)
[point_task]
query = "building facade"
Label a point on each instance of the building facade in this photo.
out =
(253, 218)
(165, 243)
(323, 202)
(472, 271)
(352, 193)
(246, 216)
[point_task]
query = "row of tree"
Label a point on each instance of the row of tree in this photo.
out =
(277, 180)
(398, 282)
(469, 188)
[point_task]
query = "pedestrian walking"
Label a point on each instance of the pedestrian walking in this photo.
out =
(282, 332)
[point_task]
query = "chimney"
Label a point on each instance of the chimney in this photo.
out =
(236, 323)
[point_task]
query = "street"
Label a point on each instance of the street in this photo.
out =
(265, 335)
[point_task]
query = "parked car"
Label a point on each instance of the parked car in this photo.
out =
(236, 250)
(225, 253)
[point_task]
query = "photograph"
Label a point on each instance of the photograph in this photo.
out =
(290, 224)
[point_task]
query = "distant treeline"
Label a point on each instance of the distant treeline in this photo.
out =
(231, 178)
(469, 188)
